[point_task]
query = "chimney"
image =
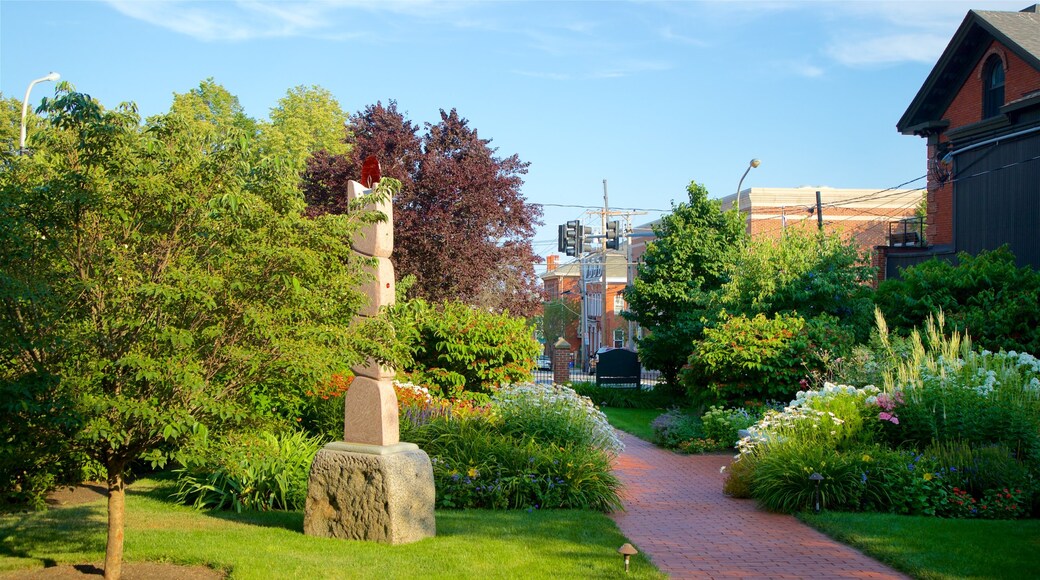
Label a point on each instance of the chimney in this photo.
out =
(550, 263)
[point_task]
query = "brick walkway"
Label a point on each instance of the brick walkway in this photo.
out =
(677, 515)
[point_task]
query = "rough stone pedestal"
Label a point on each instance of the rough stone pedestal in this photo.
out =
(371, 492)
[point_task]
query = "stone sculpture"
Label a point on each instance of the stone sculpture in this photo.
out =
(371, 486)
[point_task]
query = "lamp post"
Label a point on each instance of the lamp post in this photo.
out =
(816, 478)
(754, 163)
(53, 76)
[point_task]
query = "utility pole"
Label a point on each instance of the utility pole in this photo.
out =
(603, 315)
(819, 211)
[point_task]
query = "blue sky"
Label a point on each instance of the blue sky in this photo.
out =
(647, 95)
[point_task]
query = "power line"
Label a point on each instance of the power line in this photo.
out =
(599, 208)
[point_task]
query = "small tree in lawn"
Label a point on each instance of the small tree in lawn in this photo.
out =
(687, 262)
(152, 275)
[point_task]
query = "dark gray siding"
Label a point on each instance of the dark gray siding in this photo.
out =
(997, 199)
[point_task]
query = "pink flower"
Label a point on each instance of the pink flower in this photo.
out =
(884, 416)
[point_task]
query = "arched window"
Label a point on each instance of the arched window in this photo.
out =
(992, 87)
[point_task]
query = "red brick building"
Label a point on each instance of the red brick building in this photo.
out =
(979, 110)
(596, 327)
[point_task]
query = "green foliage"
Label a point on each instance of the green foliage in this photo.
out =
(538, 447)
(947, 391)
(253, 471)
(306, 120)
(460, 348)
(687, 261)
(986, 295)
(164, 274)
(34, 457)
(675, 427)
(559, 318)
(625, 398)
(780, 481)
(721, 424)
(749, 358)
(554, 413)
(806, 273)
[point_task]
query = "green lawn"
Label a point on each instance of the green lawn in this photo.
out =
(469, 544)
(633, 421)
(933, 548)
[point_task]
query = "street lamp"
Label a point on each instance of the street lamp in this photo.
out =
(53, 76)
(754, 163)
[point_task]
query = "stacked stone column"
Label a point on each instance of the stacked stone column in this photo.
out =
(372, 486)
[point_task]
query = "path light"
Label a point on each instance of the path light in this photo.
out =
(627, 550)
(25, 104)
(816, 478)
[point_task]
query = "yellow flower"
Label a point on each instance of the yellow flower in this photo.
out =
(928, 477)
(866, 458)
(472, 472)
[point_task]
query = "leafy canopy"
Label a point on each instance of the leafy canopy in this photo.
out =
(462, 226)
(681, 269)
(156, 276)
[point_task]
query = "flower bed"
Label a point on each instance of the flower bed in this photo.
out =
(954, 432)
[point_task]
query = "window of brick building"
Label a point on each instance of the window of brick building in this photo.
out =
(993, 87)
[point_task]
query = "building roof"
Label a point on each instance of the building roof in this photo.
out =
(617, 267)
(1018, 31)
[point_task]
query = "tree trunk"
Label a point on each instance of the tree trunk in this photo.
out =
(116, 520)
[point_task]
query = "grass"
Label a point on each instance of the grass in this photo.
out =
(633, 421)
(935, 548)
(469, 544)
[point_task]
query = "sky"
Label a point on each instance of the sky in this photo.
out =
(647, 95)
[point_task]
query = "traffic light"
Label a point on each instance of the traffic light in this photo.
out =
(571, 237)
(613, 240)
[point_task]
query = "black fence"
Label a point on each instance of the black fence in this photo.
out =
(647, 378)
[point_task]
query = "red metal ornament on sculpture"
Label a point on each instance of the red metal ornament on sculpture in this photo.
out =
(370, 171)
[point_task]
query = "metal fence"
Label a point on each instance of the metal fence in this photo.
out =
(649, 378)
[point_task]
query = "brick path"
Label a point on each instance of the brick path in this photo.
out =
(677, 515)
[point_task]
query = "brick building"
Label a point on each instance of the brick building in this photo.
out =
(979, 111)
(595, 328)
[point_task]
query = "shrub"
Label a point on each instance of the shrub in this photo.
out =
(780, 481)
(949, 392)
(556, 414)
(534, 446)
(987, 295)
(674, 427)
(461, 348)
(258, 471)
(721, 425)
(749, 358)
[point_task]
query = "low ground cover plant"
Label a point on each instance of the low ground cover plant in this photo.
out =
(715, 430)
(951, 430)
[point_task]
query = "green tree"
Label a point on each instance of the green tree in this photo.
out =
(305, 121)
(803, 272)
(152, 277)
(558, 318)
(687, 262)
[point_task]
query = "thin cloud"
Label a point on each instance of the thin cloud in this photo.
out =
(889, 49)
(241, 20)
(670, 35)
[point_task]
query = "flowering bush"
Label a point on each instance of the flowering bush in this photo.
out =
(674, 427)
(554, 413)
(721, 424)
(533, 446)
(953, 430)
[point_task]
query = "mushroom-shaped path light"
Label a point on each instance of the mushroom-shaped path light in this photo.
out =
(627, 550)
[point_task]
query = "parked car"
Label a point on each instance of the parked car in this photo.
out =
(544, 363)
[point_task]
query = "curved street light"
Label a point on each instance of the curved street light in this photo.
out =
(53, 76)
(754, 163)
